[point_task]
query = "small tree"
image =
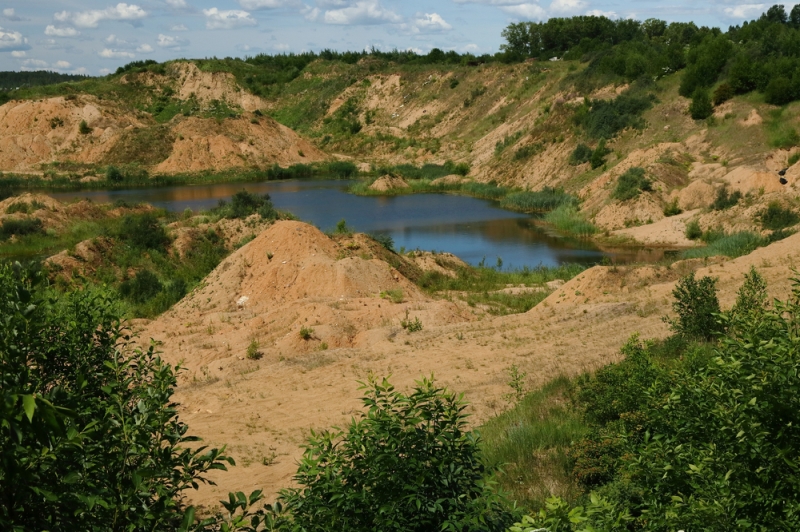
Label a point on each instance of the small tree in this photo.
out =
(599, 155)
(408, 464)
(701, 107)
(697, 307)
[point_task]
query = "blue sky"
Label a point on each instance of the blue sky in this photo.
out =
(96, 36)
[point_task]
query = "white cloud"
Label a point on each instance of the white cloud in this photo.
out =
(429, 23)
(310, 13)
(179, 27)
(62, 64)
(109, 53)
(599, 13)
(105, 71)
(93, 17)
(52, 31)
(177, 4)
(527, 11)
(144, 49)
(269, 4)
(9, 14)
(18, 53)
(227, 20)
(35, 63)
(167, 41)
(12, 40)
(745, 11)
(362, 12)
(567, 7)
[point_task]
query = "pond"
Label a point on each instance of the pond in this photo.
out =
(473, 229)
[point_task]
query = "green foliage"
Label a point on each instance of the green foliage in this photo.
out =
(306, 333)
(726, 200)
(558, 516)
(569, 220)
(384, 239)
(693, 231)
(24, 207)
(516, 381)
(508, 140)
(793, 158)
(407, 463)
(90, 437)
(733, 245)
(244, 204)
(672, 209)
(395, 296)
(529, 150)
(581, 154)
(598, 157)
(751, 299)
(547, 199)
(701, 107)
(777, 217)
(252, 350)
(342, 228)
(697, 307)
(21, 227)
(705, 62)
(83, 128)
(410, 325)
(631, 184)
(142, 146)
(143, 231)
(143, 287)
(603, 119)
(340, 169)
(11, 79)
(722, 93)
(114, 175)
(454, 83)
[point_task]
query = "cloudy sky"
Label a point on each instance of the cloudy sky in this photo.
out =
(96, 36)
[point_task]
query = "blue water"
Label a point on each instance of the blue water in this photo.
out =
(473, 229)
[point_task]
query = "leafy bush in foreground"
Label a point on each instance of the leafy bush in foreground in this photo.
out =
(408, 464)
(697, 307)
(90, 438)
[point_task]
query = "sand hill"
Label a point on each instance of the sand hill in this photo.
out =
(293, 277)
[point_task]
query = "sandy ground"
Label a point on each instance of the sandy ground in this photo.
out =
(294, 277)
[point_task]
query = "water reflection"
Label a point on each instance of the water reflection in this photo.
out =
(472, 229)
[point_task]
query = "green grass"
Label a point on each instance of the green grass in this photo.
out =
(568, 220)
(502, 304)
(529, 443)
(733, 245)
(544, 200)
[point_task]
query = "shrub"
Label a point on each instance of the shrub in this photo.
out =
(605, 118)
(410, 325)
(83, 128)
(724, 200)
(252, 350)
(672, 209)
(779, 91)
(701, 107)
(453, 83)
(20, 206)
(776, 217)
(598, 157)
(793, 158)
(751, 299)
(733, 245)
(22, 227)
(408, 463)
(142, 288)
(341, 169)
(342, 228)
(384, 239)
(722, 93)
(697, 307)
(306, 333)
(693, 231)
(395, 296)
(631, 184)
(581, 154)
(90, 434)
(244, 204)
(113, 174)
(143, 231)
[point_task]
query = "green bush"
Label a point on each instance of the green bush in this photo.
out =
(21, 227)
(90, 434)
(724, 200)
(83, 128)
(793, 158)
(142, 288)
(114, 175)
(244, 204)
(672, 209)
(143, 231)
(723, 93)
(631, 184)
(701, 107)
(697, 307)
(733, 245)
(603, 119)
(693, 231)
(780, 91)
(776, 217)
(598, 157)
(384, 239)
(581, 154)
(408, 463)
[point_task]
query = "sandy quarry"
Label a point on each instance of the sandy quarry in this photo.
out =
(292, 276)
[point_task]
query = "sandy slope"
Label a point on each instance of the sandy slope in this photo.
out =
(264, 408)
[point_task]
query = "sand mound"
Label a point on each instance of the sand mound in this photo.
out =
(388, 182)
(753, 119)
(452, 179)
(642, 210)
(698, 194)
(746, 180)
(665, 232)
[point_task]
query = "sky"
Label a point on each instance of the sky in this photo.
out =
(96, 36)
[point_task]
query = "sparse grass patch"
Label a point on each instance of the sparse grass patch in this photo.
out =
(733, 245)
(502, 304)
(631, 184)
(543, 200)
(395, 296)
(776, 217)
